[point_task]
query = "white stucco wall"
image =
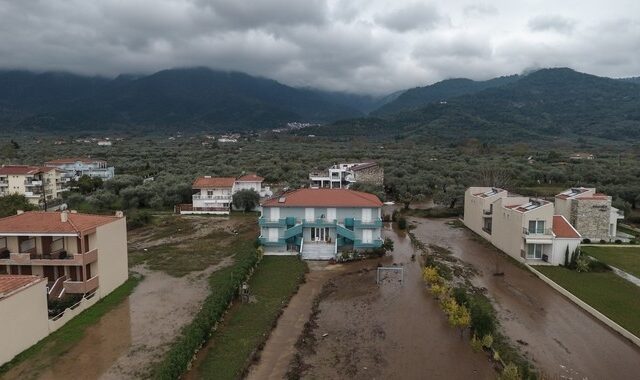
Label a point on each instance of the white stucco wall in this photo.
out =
(112, 266)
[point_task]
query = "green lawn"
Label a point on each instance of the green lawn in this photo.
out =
(611, 295)
(45, 352)
(625, 258)
(247, 326)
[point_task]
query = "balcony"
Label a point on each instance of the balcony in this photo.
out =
(374, 223)
(538, 237)
(375, 243)
(200, 197)
(81, 287)
(320, 222)
(4, 183)
(265, 222)
(54, 259)
(32, 183)
(265, 241)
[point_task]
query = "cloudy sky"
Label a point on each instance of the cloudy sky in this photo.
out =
(368, 46)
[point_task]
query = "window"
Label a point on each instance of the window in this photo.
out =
(210, 193)
(536, 226)
(534, 251)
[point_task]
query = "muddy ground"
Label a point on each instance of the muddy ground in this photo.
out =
(561, 339)
(363, 330)
(127, 341)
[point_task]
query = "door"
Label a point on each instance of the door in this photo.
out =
(366, 214)
(273, 234)
(367, 236)
(309, 214)
(275, 213)
(48, 272)
(331, 214)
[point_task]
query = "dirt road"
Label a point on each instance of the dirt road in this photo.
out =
(560, 338)
(365, 331)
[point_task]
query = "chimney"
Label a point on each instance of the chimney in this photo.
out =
(74, 211)
(19, 212)
(64, 217)
(119, 214)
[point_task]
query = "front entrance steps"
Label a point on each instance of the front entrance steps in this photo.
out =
(318, 251)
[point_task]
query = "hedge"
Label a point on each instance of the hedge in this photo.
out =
(224, 288)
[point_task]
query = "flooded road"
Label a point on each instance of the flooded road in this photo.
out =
(392, 330)
(560, 338)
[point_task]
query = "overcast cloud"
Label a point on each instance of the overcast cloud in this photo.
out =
(368, 46)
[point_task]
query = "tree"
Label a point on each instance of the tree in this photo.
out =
(88, 184)
(10, 204)
(246, 199)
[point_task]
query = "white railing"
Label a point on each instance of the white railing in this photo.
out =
(301, 245)
(216, 197)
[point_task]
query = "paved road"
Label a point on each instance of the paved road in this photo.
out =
(561, 338)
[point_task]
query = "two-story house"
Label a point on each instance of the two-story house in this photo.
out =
(214, 195)
(522, 227)
(74, 168)
(341, 176)
(589, 212)
(76, 253)
(317, 223)
(38, 184)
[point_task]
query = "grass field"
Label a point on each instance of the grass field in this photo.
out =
(611, 295)
(625, 258)
(247, 326)
(68, 335)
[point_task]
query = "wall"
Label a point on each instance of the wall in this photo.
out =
(23, 317)
(560, 248)
(112, 266)
(373, 175)
(591, 217)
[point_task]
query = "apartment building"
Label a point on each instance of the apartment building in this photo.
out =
(214, 195)
(589, 212)
(318, 223)
(75, 253)
(38, 184)
(341, 176)
(524, 228)
(74, 168)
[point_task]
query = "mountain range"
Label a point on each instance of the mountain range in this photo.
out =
(547, 103)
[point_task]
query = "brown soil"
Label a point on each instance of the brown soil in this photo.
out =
(363, 330)
(561, 339)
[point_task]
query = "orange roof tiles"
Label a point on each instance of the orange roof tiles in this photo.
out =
(562, 228)
(324, 198)
(252, 177)
(204, 182)
(40, 222)
(23, 170)
(10, 284)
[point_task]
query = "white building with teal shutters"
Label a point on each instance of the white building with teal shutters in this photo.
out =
(318, 223)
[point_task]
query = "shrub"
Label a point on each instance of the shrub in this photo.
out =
(402, 223)
(510, 372)
(602, 241)
(430, 275)
(586, 241)
(439, 290)
(618, 241)
(633, 241)
(476, 344)
(598, 266)
(460, 295)
(483, 321)
(582, 264)
(137, 219)
(487, 341)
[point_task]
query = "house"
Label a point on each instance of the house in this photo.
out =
(318, 223)
(38, 184)
(343, 175)
(582, 156)
(74, 168)
(104, 143)
(524, 228)
(214, 195)
(23, 312)
(589, 212)
(49, 256)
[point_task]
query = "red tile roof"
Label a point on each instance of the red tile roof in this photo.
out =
(324, 198)
(40, 222)
(23, 169)
(252, 177)
(204, 182)
(72, 161)
(10, 284)
(562, 228)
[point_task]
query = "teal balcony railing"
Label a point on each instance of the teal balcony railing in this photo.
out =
(265, 222)
(265, 241)
(373, 223)
(376, 243)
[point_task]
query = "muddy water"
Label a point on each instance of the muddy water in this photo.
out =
(392, 330)
(562, 339)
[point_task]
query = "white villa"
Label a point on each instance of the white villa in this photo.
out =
(341, 176)
(74, 168)
(527, 229)
(214, 195)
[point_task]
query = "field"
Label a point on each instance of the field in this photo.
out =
(611, 295)
(247, 325)
(624, 258)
